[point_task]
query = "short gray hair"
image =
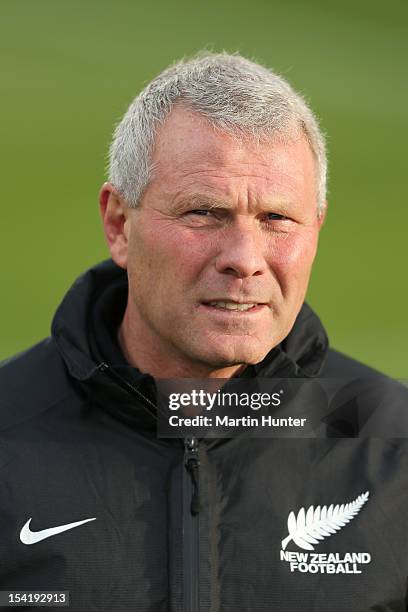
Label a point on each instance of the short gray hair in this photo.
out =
(234, 94)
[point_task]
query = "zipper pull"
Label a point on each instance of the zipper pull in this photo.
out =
(192, 463)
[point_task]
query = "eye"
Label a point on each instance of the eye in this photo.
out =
(199, 211)
(275, 217)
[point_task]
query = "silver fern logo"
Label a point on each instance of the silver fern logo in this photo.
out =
(309, 527)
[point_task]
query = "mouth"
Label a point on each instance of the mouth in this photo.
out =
(235, 307)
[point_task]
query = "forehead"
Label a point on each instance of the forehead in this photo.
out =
(189, 150)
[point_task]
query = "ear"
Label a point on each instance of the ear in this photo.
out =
(322, 215)
(115, 215)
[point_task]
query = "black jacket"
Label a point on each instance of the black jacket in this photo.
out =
(284, 524)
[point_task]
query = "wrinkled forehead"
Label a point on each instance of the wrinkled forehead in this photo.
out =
(189, 150)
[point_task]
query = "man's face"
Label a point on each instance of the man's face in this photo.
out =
(221, 248)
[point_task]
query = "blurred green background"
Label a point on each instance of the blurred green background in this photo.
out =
(68, 72)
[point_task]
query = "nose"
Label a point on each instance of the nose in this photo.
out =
(242, 250)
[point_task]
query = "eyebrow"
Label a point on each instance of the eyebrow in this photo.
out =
(202, 200)
(209, 202)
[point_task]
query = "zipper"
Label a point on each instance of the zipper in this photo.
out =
(191, 498)
(191, 509)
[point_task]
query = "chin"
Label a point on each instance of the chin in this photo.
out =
(243, 354)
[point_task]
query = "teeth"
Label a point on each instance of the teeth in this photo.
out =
(232, 305)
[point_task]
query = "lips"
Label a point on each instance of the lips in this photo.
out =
(232, 305)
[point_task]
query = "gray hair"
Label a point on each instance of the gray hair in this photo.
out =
(234, 94)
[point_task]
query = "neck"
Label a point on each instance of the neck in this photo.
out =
(141, 350)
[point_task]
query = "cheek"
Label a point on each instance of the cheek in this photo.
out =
(191, 248)
(170, 258)
(291, 260)
(294, 251)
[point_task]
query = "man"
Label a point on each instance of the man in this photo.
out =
(212, 212)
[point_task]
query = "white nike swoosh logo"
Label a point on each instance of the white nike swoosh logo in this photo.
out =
(32, 537)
